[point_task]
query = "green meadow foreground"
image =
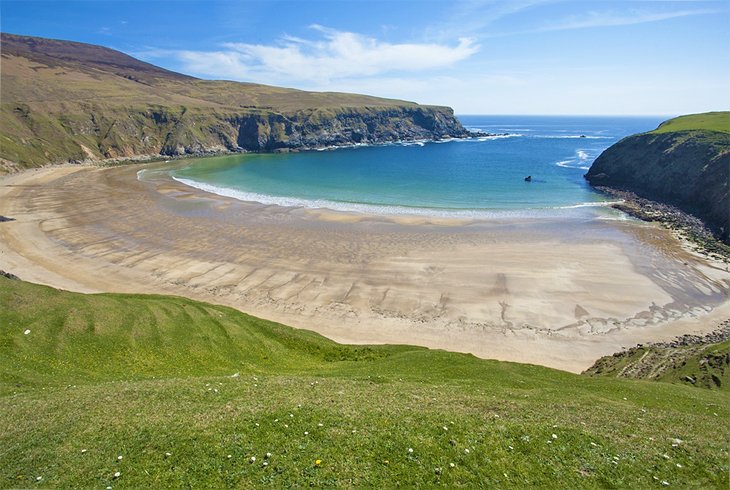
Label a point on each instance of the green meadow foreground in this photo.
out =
(164, 391)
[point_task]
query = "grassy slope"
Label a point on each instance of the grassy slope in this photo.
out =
(709, 121)
(54, 73)
(59, 95)
(707, 366)
(141, 376)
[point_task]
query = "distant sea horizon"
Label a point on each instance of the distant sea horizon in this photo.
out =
(474, 177)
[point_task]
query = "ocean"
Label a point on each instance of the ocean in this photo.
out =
(483, 176)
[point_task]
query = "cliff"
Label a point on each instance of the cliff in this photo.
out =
(64, 101)
(685, 162)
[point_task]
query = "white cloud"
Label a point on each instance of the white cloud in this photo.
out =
(334, 55)
(608, 19)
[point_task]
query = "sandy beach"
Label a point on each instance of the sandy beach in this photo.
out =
(559, 293)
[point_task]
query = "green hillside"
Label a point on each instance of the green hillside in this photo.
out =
(706, 366)
(66, 101)
(187, 393)
(709, 121)
(685, 163)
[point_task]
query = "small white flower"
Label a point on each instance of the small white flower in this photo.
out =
(466, 450)
(167, 455)
(117, 474)
(353, 431)
(229, 456)
(306, 433)
(665, 456)
(265, 464)
(679, 465)
(38, 478)
(665, 483)
(594, 444)
(252, 459)
(320, 425)
(555, 436)
(452, 465)
(26, 332)
(83, 451)
(286, 426)
(257, 424)
(445, 428)
(276, 420)
(410, 450)
(268, 455)
(119, 458)
(291, 415)
(510, 448)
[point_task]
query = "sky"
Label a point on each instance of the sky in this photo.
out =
(648, 57)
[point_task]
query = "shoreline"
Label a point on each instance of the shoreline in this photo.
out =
(692, 230)
(535, 291)
(12, 168)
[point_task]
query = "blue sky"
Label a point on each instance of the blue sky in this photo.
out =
(480, 57)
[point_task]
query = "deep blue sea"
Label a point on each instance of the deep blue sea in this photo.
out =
(484, 175)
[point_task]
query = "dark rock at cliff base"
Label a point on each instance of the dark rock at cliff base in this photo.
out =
(689, 169)
(9, 275)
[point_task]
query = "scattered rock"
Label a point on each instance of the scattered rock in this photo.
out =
(9, 275)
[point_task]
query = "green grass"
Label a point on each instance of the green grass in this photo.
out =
(708, 121)
(706, 366)
(142, 376)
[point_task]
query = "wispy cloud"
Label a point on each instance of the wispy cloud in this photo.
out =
(477, 16)
(610, 18)
(331, 55)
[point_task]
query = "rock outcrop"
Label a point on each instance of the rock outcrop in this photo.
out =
(689, 169)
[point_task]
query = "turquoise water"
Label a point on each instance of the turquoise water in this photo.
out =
(484, 174)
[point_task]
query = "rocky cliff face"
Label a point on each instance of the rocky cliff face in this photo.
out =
(321, 128)
(688, 169)
(103, 132)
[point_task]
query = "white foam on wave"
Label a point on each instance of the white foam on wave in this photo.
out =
(383, 210)
(582, 155)
(595, 204)
(571, 136)
(571, 163)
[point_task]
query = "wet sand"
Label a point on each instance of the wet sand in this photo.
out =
(559, 293)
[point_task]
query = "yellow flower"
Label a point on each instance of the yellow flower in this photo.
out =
(318, 462)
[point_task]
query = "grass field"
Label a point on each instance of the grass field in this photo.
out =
(710, 121)
(189, 393)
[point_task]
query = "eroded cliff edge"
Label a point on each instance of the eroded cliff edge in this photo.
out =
(64, 101)
(685, 162)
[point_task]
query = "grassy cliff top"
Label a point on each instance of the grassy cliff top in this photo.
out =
(170, 392)
(709, 121)
(59, 75)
